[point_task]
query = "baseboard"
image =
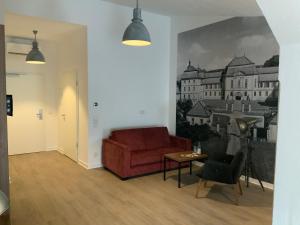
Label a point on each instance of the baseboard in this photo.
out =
(256, 182)
(200, 164)
(83, 164)
(95, 166)
(49, 149)
(89, 166)
(60, 151)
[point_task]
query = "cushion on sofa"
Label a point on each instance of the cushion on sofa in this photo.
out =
(156, 137)
(133, 138)
(145, 157)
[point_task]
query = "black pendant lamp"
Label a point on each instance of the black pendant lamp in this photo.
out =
(136, 33)
(35, 56)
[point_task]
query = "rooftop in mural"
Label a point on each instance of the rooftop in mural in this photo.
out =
(240, 61)
(191, 68)
(205, 108)
(200, 109)
(238, 66)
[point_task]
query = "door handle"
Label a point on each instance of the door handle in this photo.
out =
(40, 114)
(63, 116)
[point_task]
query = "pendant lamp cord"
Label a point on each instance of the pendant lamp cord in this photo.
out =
(137, 4)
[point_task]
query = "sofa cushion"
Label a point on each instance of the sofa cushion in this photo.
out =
(156, 137)
(133, 138)
(145, 157)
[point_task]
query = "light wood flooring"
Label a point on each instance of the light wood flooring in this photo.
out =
(50, 189)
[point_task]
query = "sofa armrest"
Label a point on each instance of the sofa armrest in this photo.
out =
(179, 142)
(116, 157)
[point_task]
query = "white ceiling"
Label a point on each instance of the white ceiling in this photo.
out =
(22, 26)
(226, 8)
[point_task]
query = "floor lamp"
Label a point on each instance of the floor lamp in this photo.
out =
(244, 126)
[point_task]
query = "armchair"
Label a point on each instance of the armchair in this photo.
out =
(223, 169)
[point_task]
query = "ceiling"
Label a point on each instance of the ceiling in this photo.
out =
(228, 8)
(22, 26)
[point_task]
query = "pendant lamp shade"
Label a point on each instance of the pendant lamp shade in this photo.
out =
(35, 56)
(136, 33)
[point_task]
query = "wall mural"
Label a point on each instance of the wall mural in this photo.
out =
(229, 70)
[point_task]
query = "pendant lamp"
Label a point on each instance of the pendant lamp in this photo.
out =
(35, 56)
(136, 33)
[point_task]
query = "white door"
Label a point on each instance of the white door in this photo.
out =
(68, 115)
(26, 129)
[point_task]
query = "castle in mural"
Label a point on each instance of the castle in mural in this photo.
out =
(241, 87)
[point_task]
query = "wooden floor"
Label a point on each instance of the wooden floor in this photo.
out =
(50, 189)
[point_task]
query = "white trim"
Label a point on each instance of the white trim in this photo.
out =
(89, 166)
(95, 166)
(61, 151)
(200, 164)
(49, 149)
(256, 182)
(83, 164)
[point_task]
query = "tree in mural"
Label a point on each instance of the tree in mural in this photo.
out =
(194, 132)
(274, 61)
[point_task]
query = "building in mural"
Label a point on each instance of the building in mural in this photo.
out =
(241, 79)
(239, 87)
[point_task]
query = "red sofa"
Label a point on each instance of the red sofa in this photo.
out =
(133, 152)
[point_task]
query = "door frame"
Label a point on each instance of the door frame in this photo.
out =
(4, 175)
(74, 71)
(42, 106)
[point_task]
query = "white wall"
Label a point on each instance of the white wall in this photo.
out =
(178, 25)
(130, 84)
(1, 11)
(283, 18)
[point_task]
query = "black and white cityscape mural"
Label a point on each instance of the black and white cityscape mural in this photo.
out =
(229, 70)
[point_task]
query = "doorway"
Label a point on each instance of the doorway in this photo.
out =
(68, 115)
(27, 125)
(48, 105)
(49, 100)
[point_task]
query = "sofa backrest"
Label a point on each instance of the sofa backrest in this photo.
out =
(156, 137)
(143, 138)
(133, 138)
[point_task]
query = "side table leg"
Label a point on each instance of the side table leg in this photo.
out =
(165, 162)
(179, 175)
